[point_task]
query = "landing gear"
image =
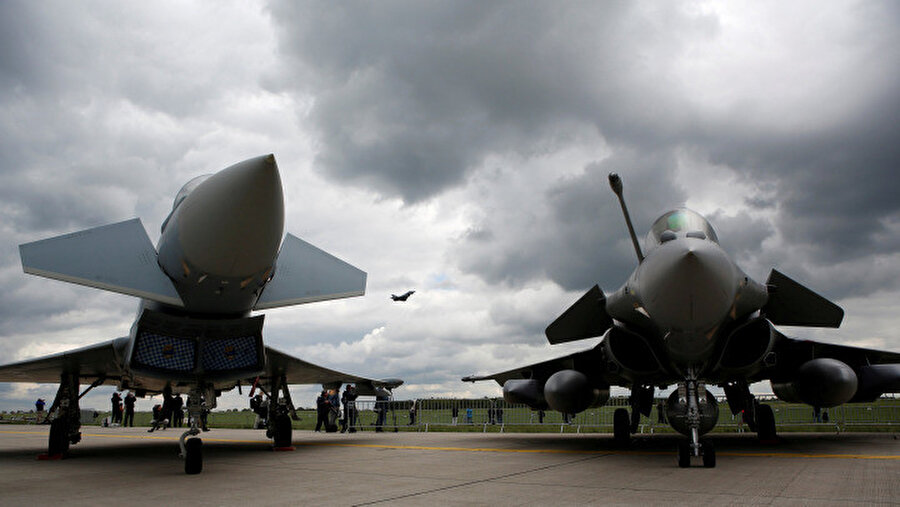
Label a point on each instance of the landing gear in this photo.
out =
(193, 456)
(765, 422)
(709, 454)
(59, 438)
(192, 448)
(66, 423)
(621, 427)
(684, 454)
(282, 431)
(691, 390)
(281, 411)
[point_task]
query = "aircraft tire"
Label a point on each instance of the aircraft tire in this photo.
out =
(59, 438)
(621, 426)
(684, 455)
(283, 431)
(193, 459)
(765, 422)
(709, 455)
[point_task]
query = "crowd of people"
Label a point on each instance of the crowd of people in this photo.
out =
(329, 414)
(334, 413)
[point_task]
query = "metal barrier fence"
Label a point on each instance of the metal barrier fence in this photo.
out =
(497, 415)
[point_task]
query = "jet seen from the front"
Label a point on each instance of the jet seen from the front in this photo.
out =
(689, 316)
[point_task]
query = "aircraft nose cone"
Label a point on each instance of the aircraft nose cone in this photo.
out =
(688, 285)
(231, 225)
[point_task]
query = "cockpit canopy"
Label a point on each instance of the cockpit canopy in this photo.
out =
(188, 188)
(678, 223)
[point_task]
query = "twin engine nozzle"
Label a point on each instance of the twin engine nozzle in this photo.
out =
(566, 391)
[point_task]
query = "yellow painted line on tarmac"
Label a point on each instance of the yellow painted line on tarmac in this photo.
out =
(488, 449)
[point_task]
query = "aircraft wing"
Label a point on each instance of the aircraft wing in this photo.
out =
(586, 318)
(305, 274)
(102, 360)
(298, 371)
(877, 371)
(117, 257)
(585, 361)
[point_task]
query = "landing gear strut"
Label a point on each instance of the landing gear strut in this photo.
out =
(279, 422)
(686, 450)
(759, 417)
(192, 448)
(624, 425)
(66, 424)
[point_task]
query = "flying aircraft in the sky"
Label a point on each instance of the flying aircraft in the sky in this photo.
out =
(219, 258)
(404, 296)
(689, 317)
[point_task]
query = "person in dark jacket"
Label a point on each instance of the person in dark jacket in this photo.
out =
(157, 418)
(322, 406)
(177, 411)
(130, 399)
(350, 412)
(116, 414)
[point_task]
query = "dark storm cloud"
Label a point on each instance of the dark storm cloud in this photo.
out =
(411, 97)
(582, 238)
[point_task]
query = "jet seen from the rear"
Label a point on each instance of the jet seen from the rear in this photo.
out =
(689, 316)
(220, 257)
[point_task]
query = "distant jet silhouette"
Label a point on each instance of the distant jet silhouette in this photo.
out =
(403, 297)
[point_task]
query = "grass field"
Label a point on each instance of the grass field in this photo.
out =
(435, 415)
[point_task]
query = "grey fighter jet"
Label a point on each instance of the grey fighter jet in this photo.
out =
(219, 258)
(689, 317)
(402, 297)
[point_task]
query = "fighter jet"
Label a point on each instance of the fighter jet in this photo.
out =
(403, 297)
(688, 316)
(220, 257)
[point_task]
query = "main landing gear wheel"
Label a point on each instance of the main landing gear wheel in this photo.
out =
(621, 426)
(684, 454)
(59, 437)
(709, 454)
(283, 429)
(193, 456)
(765, 422)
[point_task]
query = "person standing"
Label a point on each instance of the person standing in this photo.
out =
(130, 399)
(334, 411)
(177, 411)
(322, 410)
(454, 413)
(168, 405)
(381, 411)
(116, 415)
(412, 413)
(348, 398)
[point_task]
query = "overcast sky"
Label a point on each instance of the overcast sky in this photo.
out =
(459, 149)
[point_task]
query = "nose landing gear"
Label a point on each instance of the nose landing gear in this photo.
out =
(192, 448)
(690, 390)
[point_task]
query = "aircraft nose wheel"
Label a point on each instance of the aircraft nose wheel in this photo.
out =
(621, 427)
(707, 453)
(193, 456)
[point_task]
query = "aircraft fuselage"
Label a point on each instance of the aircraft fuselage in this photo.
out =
(218, 246)
(685, 293)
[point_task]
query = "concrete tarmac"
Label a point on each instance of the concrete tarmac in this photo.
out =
(128, 466)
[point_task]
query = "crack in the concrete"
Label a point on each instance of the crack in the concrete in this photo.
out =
(480, 481)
